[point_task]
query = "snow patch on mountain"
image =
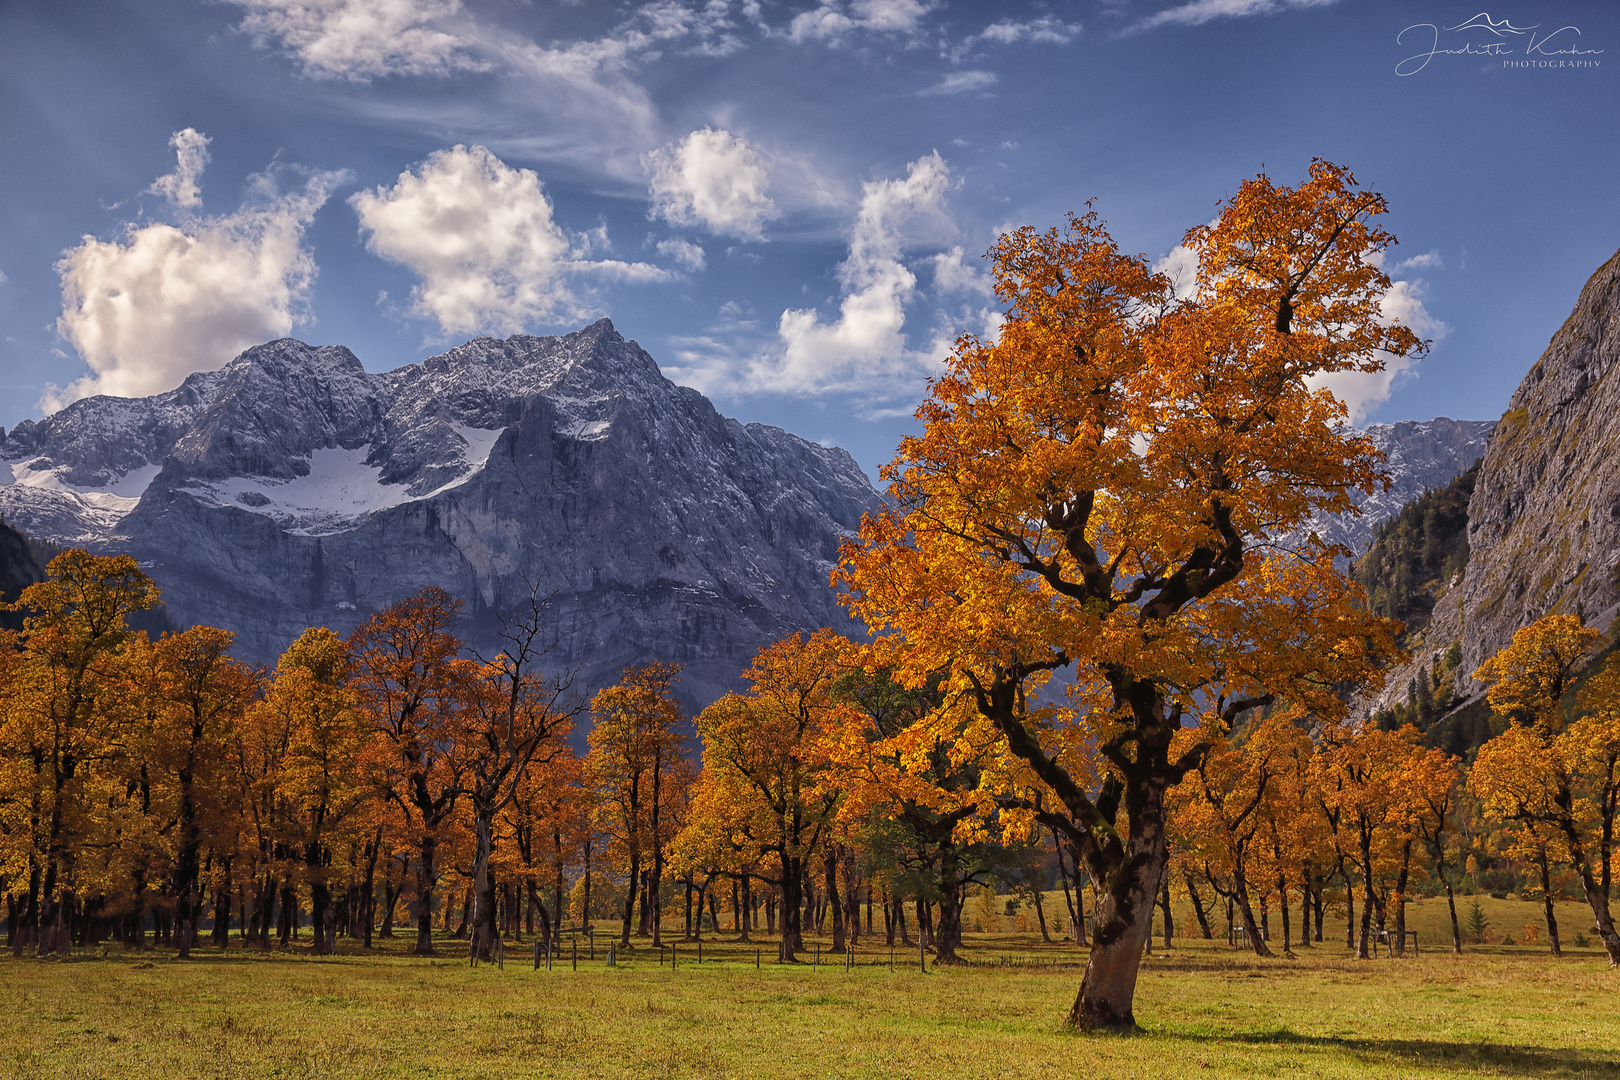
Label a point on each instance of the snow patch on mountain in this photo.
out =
(342, 487)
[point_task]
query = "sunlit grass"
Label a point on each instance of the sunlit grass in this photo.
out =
(1207, 1010)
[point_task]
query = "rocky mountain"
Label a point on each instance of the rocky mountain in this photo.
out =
(18, 570)
(1419, 455)
(1544, 521)
(1544, 515)
(293, 488)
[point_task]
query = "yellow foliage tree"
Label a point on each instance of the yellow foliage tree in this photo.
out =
(1553, 777)
(1093, 493)
(61, 716)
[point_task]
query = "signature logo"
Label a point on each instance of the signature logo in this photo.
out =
(1484, 36)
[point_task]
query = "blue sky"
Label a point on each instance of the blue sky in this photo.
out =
(784, 203)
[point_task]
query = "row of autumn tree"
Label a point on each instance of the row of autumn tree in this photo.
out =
(1279, 811)
(391, 774)
(372, 772)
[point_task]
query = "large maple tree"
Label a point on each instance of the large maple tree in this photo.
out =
(1078, 535)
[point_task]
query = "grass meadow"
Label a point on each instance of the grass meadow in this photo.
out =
(1207, 1011)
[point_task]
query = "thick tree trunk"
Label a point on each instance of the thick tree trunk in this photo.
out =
(1124, 911)
(425, 876)
(1597, 895)
(1124, 921)
(792, 906)
(948, 935)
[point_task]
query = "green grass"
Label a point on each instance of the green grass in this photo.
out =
(1207, 1011)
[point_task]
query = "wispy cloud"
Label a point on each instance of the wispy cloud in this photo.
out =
(365, 39)
(962, 82)
(181, 187)
(1198, 12)
(835, 22)
(866, 349)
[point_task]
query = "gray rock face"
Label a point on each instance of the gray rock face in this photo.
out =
(1544, 520)
(1418, 455)
(291, 488)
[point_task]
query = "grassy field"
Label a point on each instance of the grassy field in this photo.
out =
(1207, 1011)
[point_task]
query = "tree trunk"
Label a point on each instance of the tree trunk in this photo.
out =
(1305, 908)
(631, 888)
(1124, 921)
(425, 875)
(1245, 911)
(1363, 942)
(1597, 895)
(1164, 906)
(1456, 930)
(948, 935)
(1349, 909)
(1547, 902)
(1198, 908)
(485, 930)
(830, 867)
(1282, 908)
(792, 905)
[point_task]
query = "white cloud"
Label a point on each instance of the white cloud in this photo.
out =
(833, 21)
(712, 178)
(686, 254)
(952, 275)
(866, 347)
(1363, 392)
(1043, 31)
(1046, 30)
(363, 39)
(171, 300)
(1429, 260)
(1198, 12)
(481, 237)
(191, 157)
(1181, 267)
(962, 82)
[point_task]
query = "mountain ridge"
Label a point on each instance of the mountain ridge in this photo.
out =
(292, 488)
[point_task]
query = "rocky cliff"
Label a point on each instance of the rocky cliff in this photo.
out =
(1544, 520)
(1544, 516)
(292, 488)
